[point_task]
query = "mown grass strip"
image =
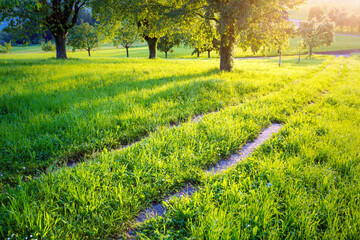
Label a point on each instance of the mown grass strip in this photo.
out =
(99, 198)
(302, 184)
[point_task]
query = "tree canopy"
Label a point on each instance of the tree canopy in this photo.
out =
(84, 36)
(40, 15)
(125, 34)
(240, 22)
(316, 33)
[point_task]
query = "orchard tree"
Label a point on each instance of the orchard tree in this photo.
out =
(317, 33)
(316, 12)
(31, 16)
(279, 35)
(84, 36)
(152, 24)
(240, 22)
(339, 17)
(168, 42)
(202, 36)
(353, 21)
(126, 34)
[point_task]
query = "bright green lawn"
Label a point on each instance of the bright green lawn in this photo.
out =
(99, 198)
(55, 112)
(304, 183)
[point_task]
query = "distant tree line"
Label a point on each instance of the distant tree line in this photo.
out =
(342, 18)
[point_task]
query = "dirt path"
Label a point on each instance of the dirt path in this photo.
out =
(160, 208)
(345, 53)
(349, 35)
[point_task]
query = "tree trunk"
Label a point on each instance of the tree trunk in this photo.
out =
(310, 52)
(198, 54)
(89, 51)
(60, 40)
(165, 54)
(299, 56)
(279, 58)
(127, 52)
(209, 53)
(152, 42)
(227, 50)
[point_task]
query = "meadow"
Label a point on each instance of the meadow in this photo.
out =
(302, 183)
(58, 112)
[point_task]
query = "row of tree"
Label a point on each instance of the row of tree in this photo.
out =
(258, 25)
(340, 16)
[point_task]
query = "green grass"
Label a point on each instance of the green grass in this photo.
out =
(54, 112)
(99, 198)
(302, 184)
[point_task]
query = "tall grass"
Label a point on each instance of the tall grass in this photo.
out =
(301, 184)
(99, 198)
(58, 111)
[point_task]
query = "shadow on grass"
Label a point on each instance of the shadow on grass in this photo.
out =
(57, 136)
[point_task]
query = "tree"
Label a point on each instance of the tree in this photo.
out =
(202, 36)
(316, 12)
(339, 17)
(168, 42)
(126, 34)
(240, 22)
(84, 36)
(353, 21)
(280, 34)
(317, 33)
(152, 24)
(40, 15)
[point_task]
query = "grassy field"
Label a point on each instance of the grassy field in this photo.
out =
(302, 184)
(54, 111)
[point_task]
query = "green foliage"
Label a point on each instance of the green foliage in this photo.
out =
(48, 46)
(6, 48)
(168, 42)
(317, 33)
(125, 34)
(84, 36)
(33, 16)
(202, 36)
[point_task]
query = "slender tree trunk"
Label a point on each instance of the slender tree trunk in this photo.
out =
(311, 52)
(127, 52)
(299, 56)
(198, 54)
(165, 54)
(209, 53)
(279, 58)
(152, 42)
(227, 50)
(89, 51)
(60, 40)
